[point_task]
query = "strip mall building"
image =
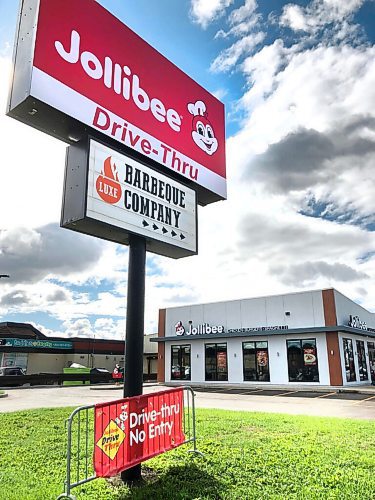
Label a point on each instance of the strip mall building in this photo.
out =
(23, 345)
(314, 338)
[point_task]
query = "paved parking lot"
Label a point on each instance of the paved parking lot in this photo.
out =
(292, 394)
(330, 404)
(301, 402)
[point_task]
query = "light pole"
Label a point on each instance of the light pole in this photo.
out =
(2, 356)
(93, 352)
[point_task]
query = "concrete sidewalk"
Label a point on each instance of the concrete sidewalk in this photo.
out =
(292, 402)
(362, 389)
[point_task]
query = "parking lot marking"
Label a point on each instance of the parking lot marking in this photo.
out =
(363, 400)
(254, 391)
(325, 395)
(285, 393)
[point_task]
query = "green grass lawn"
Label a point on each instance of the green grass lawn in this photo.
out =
(247, 456)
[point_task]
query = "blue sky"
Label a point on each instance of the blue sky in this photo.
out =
(298, 82)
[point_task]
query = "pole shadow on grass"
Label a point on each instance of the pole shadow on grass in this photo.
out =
(176, 483)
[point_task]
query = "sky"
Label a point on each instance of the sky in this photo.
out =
(298, 83)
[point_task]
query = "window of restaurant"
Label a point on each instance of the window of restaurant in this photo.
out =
(371, 358)
(362, 365)
(302, 360)
(216, 362)
(349, 360)
(181, 362)
(255, 361)
(14, 359)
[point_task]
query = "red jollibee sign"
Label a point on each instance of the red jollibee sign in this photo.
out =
(89, 66)
(131, 430)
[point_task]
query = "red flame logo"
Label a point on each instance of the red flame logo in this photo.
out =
(107, 184)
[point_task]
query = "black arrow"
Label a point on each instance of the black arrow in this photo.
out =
(164, 230)
(173, 233)
(155, 227)
(145, 224)
(182, 236)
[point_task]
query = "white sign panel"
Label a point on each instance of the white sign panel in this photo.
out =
(125, 193)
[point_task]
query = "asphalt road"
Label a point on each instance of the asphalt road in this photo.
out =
(329, 404)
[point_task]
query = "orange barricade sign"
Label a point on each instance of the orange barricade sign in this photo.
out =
(131, 430)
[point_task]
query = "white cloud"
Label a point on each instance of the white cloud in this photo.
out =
(294, 17)
(79, 328)
(295, 92)
(242, 21)
(102, 328)
(243, 13)
(206, 11)
(318, 14)
(31, 191)
(229, 57)
(312, 89)
(220, 93)
(31, 255)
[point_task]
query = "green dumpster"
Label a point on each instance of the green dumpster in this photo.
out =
(76, 370)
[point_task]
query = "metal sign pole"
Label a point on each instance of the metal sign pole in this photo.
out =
(133, 376)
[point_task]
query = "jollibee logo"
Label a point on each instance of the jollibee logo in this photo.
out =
(180, 330)
(122, 417)
(107, 184)
(202, 131)
(118, 78)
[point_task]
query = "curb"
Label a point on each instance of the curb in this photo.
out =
(318, 389)
(117, 387)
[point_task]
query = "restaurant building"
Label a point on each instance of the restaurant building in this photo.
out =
(316, 337)
(23, 345)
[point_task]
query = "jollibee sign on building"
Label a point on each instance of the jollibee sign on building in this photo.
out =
(77, 65)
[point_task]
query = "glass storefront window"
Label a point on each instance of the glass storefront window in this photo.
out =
(362, 365)
(14, 359)
(302, 360)
(216, 362)
(371, 358)
(349, 360)
(181, 362)
(255, 361)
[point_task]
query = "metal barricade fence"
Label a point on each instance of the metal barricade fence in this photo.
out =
(81, 442)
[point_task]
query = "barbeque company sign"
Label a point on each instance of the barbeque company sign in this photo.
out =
(123, 194)
(76, 65)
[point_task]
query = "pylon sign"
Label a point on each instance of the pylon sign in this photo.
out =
(110, 195)
(78, 66)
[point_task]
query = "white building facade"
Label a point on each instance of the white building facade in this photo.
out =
(314, 338)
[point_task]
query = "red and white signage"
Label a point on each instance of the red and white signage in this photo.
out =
(131, 430)
(110, 195)
(124, 193)
(88, 65)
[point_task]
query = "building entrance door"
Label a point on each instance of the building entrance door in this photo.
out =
(216, 362)
(181, 362)
(371, 358)
(362, 365)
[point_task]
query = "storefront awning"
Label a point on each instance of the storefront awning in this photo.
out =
(265, 333)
